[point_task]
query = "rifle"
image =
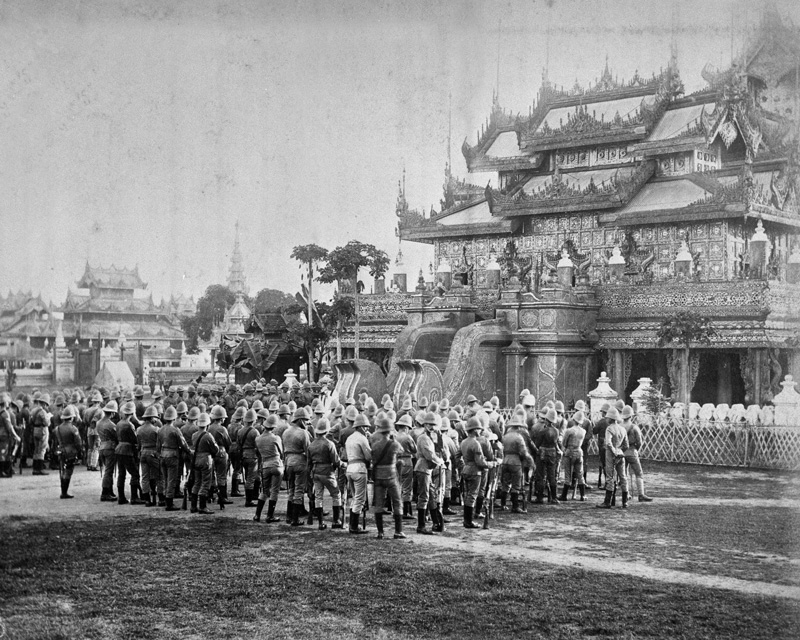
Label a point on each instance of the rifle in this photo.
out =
(531, 482)
(489, 512)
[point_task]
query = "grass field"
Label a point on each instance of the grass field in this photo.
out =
(135, 573)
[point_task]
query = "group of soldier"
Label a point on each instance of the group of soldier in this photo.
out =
(428, 454)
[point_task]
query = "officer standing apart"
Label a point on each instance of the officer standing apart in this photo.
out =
(359, 456)
(70, 446)
(385, 450)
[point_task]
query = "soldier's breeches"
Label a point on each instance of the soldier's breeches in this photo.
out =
(510, 478)
(39, 446)
(406, 475)
(381, 489)
(472, 485)
(126, 463)
(634, 465)
(358, 481)
(170, 472)
(296, 481)
(323, 482)
(484, 485)
(250, 468)
(109, 460)
(615, 469)
(271, 478)
(203, 474)
(573, 466)
(448, 481)
(151, 468)
(221, 468)
(438, 484)
(425, 492)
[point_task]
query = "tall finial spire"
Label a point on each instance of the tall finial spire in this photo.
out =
(236, 280)
(546, 74)
(449, 130)
(673, 43)
(497, 81)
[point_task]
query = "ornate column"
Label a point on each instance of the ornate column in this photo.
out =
(516, 356)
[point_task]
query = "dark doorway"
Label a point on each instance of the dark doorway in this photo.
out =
(648, 364)
(719, 379)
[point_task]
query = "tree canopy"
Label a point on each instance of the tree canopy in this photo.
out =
(343, 263)
(211, 309)
(271, 301)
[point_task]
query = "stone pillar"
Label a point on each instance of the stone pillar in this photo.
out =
(637, 396)
(757, 359)
(618, 372)
(787, 404)
(601, 394)
(516, 355)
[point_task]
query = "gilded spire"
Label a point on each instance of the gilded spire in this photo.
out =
(236, 279)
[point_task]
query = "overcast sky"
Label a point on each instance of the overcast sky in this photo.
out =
(139, 132)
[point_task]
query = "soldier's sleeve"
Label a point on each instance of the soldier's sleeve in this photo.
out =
(366, 450)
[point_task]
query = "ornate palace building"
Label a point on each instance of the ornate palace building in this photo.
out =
(617, 206)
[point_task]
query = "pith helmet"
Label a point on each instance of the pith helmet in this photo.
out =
(203, 420)
(128, 408)
(612, 413)
(471, 399)
(627, 412)
(361, 420)
(473, 424)
(551, 416)
(559, 406)
(238, 414)
(218, 413)
(406, 406)
(170, 413)
(271, 422)
(323, 426)
(517, 420)
(250, 416)
(67, 413)
(284, 410)
(299, 415)
(429, 419)
(181, 408)
(580, 405)
(578, 417)
(150, 412)
(194, 413)
(263, 413)
(351, 413)
(45, 398)
(257, 405)
(138, 392)
(404, 421)
(274, 406)
(384, 425)
(111, 407)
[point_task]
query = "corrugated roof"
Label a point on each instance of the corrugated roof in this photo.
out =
(676, 121)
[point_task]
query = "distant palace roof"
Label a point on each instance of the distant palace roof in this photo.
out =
(111, 278)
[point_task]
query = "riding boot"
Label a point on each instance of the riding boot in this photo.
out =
(446, 510)
(64, 489)
(614, 498)
(421, 523)
(468, 523)
(322, 525)
(379, 525)
(337, 518)
(564, 492)
(515, 508)
(478, 507)
(271, 511)
(248, 499)
(135, 493)
(607, 502)
(171, 505)
(354, 523)
(162, 499)
(539, 496)
(204, 506)
(624, 499)
(259, 509)
(398, 527)
(503, 497)
(553, 497)
(642, 496)
(121, 499)
(438, 520)
(312, 509)
(582, 489)
(408, 514)
(289, 511)
(194, 503)
(296, 516)
(455, 497)
(235, 493)
(220, 497)
(148, 502)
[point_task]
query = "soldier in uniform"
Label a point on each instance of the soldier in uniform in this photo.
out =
(405, 464)
(223, 440)
(358, 456)
(385, 452)
(323, 466)
(41, 419)
(107, 445)
(234, 427)
(549, 450)
(475, 465)
(632, 452)
(205, 449)
(138, 394)
(246, 441)
(295, 445)
(516, 457)
(169, 445)
(269, 449)
(187, 431)
(70, 447)
(9, 440)
(91, 416)
(427, 461)
(616, 443)
(126, 453)
(599, 430)
(573, 457)
(147, 437)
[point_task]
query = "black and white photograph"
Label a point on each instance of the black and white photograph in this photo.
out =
(399, 319)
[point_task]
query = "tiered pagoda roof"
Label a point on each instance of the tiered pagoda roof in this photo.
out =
(111, 278)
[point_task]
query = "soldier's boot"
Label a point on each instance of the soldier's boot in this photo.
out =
(642, 496)
(478, 507)
(248, 498)
(162, 500)
(614, 498)
(171, 505)
(271, 512)
(379, 525)
(259, 509)
(23, 463)
(296, 516)
(564, 493)
(220, 498)
(446, 510)
(121, 493)
(64, 489)
(606, 504)
(624, 499)
(194, 503)
(321, 525)
(38, 468)
(553, 496)
(503, 497)
(256, 487)
(582, 489)
(455, 497)
(468, 523)
(515, 508)
(148, 501)
(408, 514)
(223, 489)
(421, 523)
(235, 493)
(398, 527)
(289, 510)
(135, 493)
(539, 497)
(353, 528)
(312, 510)
(337, 518)
(438, 520)
(204, 506)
